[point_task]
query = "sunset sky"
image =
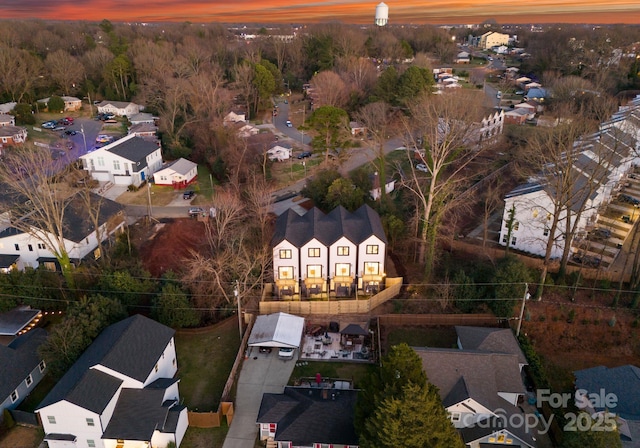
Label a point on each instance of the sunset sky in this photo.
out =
(348, 11)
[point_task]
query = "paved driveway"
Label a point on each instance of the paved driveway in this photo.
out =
(261, 373)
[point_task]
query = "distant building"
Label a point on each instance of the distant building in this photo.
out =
(382, 15)
(493, 39)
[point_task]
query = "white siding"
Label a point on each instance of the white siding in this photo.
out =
(71, 419)
(322, 260)
(334, 258)
(294, 261)
(167, 366)
(363, 257)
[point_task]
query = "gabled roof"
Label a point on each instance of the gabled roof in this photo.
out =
(140, 412)
(181, 166)
(118, 104)
(77, 222)
(623, 382)
(18, 359)
(311, 415)
(11, 131)
(472, 374)
(356, 226)
(132, 148)
(487, 339)
(131, 347)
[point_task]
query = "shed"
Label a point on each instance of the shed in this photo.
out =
(277, 330)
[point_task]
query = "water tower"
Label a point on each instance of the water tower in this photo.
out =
(382, 15)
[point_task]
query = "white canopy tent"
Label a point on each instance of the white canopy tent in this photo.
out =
(277, 330)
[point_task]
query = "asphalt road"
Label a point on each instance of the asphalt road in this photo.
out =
(280, 122)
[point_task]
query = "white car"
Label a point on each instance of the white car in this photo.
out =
(289, 124)
(422, 167)
(285, 353)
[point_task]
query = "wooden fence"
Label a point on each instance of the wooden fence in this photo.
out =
(351, 306)
(437, 319)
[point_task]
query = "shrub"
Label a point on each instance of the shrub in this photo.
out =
(572, 316)
(9, 422)
(132, 188)
(612, 321)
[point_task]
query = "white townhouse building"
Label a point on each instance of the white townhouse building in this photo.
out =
(128, 161)
(336, 254)
(599, 163)
(20, 249)
(121, 392)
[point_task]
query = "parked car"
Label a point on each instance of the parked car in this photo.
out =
(586, 260)
(422, 167)
(59, 128)
(49, 124)
(285, 353)
(628, 199)
(304, 155)
(289, 124)
(600, 234)
(68, 132)
(188, 194)
(196, 211)
(69, 119)
(519, 92)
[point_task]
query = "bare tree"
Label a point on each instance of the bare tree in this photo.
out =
(376, 118)
(20, 72)
(40, 201)
(444, 135)
(330, 88)
(65, 70)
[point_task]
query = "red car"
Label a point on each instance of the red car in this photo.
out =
(69, 119)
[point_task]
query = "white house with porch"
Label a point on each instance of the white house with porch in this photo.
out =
(598, 165)
(121, 392)
(128, 161)
(335, 254)
(119, 108)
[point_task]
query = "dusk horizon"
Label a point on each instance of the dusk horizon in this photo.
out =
(346, 11)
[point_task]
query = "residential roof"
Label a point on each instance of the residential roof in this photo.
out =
(138, 413)
(311, 415)
(131, 347)
(18, 359)
(132, 148)
(118, 104)
(354, 330)
(10, 131)
(477, 375)
(61, 437)
(181, 166)
(6, 118)
(488, 339)
(277, 330)
(143, 127)
(623, 382)
(356, 226)
(12, 322)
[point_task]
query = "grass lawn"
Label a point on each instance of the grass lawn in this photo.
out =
(204, 364)
(21, 437)
(439, 337)
(204, 437)
(346, 370)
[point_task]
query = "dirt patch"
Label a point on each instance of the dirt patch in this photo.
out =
(577, 335)
(166, 245)
(22, 437)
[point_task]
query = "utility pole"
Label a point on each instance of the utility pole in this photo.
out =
(236, 293)
(525, 297)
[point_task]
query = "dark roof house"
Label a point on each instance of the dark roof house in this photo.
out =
(622, 382)
(305, 416)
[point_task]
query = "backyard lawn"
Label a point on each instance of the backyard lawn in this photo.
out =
(439, 337)
(204, 437)
(204, 364)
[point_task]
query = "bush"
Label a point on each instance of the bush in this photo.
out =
(55, 104)
(572, 316)
(9, 422)
(132, 188)
(612, 321)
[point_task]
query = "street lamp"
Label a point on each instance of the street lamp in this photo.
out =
(84, 138)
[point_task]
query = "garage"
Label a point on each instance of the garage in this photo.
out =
(278, 330)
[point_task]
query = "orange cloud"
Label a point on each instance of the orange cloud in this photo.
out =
(349, 11)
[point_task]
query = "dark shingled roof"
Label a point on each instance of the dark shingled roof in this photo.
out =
(311, 415)
(487, 339)
(18, 359)
(462, 374)
(356, 226)
(8, 260)
(139, 412)
(135, 149)
(131, 347)
(77, 223)
(623, 381)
